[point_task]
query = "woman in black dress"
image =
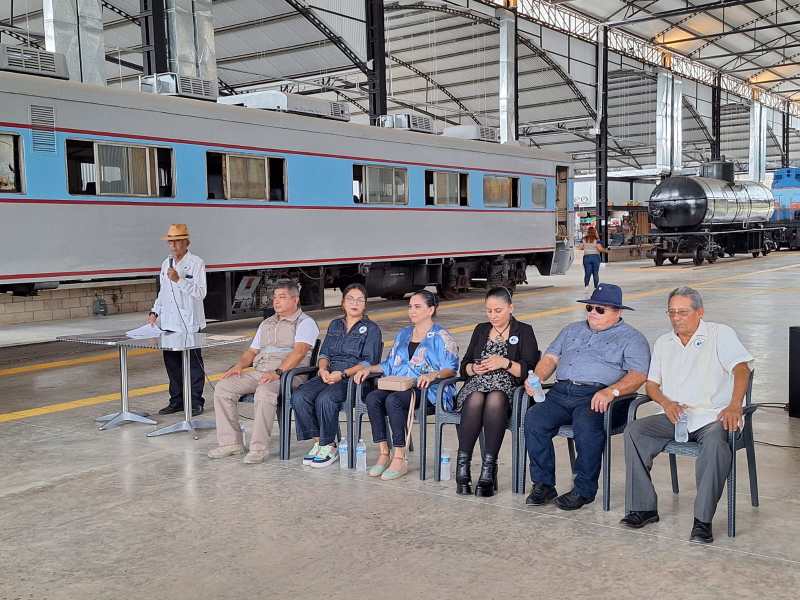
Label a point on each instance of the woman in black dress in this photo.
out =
(497, 361)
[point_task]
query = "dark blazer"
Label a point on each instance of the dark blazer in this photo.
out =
(525, 351)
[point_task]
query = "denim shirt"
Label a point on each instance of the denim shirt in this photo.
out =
(599, 356)
(363, 344)
(437, 351)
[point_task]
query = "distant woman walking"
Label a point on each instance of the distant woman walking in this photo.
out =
(592, 248)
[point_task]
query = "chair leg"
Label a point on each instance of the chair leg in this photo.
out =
(437, 454)
(522, 453)
(423, 439)
(732, 496)
(514, 462)
(351, 445)
(571, 450)
(286, 434)
(607, 475)
(751, 468)
(673, 471)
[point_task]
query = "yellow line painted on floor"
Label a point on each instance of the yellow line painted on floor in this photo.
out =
(106, 356)
(153, 389)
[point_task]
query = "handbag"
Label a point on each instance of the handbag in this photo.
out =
(398, 383)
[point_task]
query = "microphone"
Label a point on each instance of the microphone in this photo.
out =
(170, 262)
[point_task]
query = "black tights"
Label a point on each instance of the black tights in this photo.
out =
(487, 410)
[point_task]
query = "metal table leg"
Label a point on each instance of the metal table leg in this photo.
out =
(188, 423)
(124, 415)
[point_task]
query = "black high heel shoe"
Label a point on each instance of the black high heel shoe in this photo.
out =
(487, 482)
(463, 475)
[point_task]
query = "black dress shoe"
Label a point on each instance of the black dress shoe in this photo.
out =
(541, 494)
(197, 410)
(487, 483)
(701, 532)
(636, 519)
(463, 475)
(170, 409)
(572, 500)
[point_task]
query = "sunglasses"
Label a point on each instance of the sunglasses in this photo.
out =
(600, 310)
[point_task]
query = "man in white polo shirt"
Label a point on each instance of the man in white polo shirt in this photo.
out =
(700, 369)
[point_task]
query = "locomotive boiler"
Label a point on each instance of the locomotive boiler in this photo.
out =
(706, 217)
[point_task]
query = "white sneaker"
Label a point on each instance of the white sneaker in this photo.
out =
(224, 451)
(311, 454)
(326, 456)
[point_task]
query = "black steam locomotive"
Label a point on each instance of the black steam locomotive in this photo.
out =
(708, 217)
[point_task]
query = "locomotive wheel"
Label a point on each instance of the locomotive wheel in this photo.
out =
(764, 252)
(673, 260)
(698, 257)
(712, 258)
(659, 258)
(755, 254)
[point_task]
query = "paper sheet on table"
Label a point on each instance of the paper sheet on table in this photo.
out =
(144, 332)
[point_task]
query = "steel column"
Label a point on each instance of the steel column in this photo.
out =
(601, 142)
(155, 51)
(785, 138)
(376, 59)
(716, 123)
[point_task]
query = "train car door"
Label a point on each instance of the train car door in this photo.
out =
(564, 223)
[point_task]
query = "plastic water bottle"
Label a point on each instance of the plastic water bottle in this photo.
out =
(344, 459)
(682, 428)
(536, 384)
(444, 461)
(361, 456)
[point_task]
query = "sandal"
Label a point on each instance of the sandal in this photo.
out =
(378, 469)
(390, 474)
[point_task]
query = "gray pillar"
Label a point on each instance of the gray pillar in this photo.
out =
(74, 28)
(508, 82)
(669, 126)
(758, 143)
(190, 34)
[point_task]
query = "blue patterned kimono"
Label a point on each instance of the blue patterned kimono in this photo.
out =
(436, 352)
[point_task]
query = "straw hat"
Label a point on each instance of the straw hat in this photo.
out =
(177, 231)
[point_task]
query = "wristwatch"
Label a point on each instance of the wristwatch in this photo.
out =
(344, 375)
(615, 392)
(278, 372)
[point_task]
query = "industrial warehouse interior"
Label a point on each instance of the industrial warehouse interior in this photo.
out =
(423, 298)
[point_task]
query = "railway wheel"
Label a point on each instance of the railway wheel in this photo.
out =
(698, 257)
(712, 258)
(755, 254)
(673, 260)
(659, 257)
(764, 251)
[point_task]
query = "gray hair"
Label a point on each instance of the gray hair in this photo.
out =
(288, 285)
(687, 292)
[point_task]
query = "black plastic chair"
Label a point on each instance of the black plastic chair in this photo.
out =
(738, 440)
(566, 431)
(284, 400)
(443, 417)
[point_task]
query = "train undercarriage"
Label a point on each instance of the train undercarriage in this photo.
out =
(709, 246)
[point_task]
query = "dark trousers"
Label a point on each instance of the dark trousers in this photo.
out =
(316, 408)
(591, 269)
(382, 404)
(568, 404)
(174, 365)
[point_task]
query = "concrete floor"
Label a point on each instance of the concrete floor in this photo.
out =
(104, 514)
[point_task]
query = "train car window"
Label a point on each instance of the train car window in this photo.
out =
(163, 172)
(10, 164)
(539, 193)
(463, 190)
(443, 188)
(500, 191)
(276, 177)
(214, 179)
(358, 184)
(134, 170)
(385, 185)
(247, 177)
(81, 173)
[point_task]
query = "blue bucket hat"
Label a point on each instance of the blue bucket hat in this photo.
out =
(607, 294)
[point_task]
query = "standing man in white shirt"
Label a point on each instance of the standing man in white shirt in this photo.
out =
(701, 369)
(179, 308)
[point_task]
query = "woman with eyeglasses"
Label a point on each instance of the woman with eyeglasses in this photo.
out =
(592, 249)
(424, 350)
(498, 358)
(351, 343)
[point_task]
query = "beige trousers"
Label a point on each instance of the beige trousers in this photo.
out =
(226, 409)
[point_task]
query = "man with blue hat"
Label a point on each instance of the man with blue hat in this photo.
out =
(595, 361)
